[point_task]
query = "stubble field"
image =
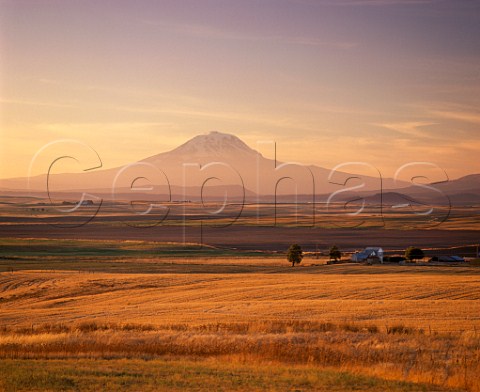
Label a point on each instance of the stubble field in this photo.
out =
(103, 320)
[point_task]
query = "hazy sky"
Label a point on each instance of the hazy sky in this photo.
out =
(381, 81)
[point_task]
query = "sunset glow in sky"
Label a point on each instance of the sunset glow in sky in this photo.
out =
(381, 81)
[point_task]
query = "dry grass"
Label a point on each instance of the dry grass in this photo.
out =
(417, 324)
(182, 374)
(400, 353)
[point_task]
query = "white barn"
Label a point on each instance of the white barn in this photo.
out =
(370, 253)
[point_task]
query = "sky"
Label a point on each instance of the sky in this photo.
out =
(386, 82)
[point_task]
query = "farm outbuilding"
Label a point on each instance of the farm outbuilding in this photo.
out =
(372, 254)
(448, 259)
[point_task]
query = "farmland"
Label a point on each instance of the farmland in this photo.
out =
(265, 227)
(123, 303)
(144, 316)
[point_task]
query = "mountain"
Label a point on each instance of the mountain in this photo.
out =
(462, 191)
(218, 160)
(210, 146)
(389, 198)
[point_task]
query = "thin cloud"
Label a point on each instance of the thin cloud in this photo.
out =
(315, 42)
(470, 117)
(409, 128)
(197, 30)
(35, 103)
(381, 2)
(219, 115)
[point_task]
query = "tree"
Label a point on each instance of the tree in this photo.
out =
(335, 253)
(413, 253)
(294, 254)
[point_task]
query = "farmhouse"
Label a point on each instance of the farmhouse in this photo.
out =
(370, 254)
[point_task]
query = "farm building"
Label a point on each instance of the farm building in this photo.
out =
(370, 254)
(86, 203)
(448, 259)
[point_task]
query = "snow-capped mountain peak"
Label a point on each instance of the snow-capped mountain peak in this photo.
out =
(214, 144)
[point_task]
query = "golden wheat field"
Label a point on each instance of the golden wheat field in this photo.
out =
(432, 298)
(416, 326)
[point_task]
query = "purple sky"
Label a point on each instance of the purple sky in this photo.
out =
(388, 82)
